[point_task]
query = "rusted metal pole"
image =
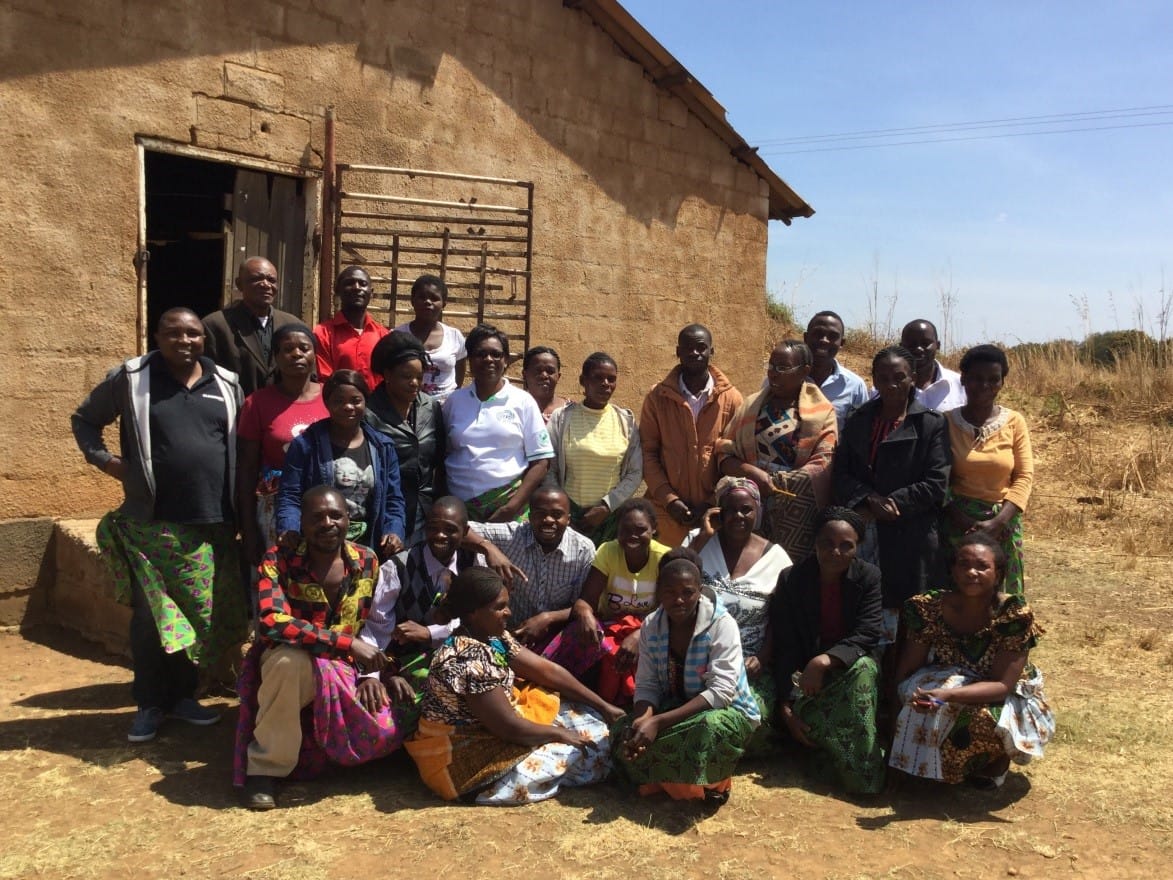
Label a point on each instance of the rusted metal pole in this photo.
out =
(326, 262)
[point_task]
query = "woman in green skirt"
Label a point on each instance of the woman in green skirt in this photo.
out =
(694, 712)
(826, 623)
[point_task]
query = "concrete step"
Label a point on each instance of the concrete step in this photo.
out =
(81, 597)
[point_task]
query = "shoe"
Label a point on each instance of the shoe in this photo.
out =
(715, 799)
(258, 793)
(192, 712)
(146, 724)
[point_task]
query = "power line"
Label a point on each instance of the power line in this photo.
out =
(977, 137)
(1009, 122)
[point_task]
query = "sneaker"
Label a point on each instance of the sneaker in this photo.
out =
(192, 712)
(146, 724)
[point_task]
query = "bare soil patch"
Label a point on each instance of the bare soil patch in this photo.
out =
(88, 804)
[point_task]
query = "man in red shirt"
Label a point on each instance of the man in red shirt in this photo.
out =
(346, 341)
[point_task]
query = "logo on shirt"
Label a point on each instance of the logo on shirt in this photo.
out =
(506, 415)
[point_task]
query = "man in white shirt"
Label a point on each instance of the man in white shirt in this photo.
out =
(407, 610)
(937, 387)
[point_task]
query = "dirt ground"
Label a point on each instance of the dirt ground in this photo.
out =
(85, 803)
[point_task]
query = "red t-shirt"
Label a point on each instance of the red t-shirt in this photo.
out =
(269, 416)
(340, 347)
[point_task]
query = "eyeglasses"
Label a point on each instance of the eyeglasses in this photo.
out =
(782, 371)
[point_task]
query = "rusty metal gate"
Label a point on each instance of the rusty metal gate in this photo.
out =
(476, 233)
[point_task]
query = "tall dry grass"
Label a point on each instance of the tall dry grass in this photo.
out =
(1137, 388)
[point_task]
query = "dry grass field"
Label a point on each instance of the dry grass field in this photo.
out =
(83, 803)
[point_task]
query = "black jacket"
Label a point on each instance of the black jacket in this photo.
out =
(230, 339)
(796, 608)
(912, 468)
(420, 449)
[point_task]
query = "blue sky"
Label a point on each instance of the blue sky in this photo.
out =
(1021, 225)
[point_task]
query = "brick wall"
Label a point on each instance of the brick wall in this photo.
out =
(643, 221)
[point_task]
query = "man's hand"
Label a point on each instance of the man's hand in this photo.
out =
(681, 512)
(289, 539)
(116, 467)
(372, 696)
(496, 559)
(369, 657)
(389, 546)
(411, 633)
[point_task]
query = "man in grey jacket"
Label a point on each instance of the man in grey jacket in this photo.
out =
(171, 545)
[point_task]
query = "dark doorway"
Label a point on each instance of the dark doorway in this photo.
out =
(203, 218)
(188, 216)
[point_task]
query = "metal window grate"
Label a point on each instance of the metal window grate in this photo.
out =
(476, 233)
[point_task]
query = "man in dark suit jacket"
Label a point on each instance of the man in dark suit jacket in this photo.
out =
(240, 337)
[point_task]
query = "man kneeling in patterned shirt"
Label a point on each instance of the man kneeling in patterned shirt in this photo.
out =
(313, 604)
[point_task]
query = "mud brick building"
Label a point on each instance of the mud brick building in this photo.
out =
(592, 195)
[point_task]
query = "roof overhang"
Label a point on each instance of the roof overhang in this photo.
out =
(669, 74)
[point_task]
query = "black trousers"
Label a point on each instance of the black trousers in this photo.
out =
(160, 679)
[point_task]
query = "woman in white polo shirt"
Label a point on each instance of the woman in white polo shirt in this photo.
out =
(498, 447)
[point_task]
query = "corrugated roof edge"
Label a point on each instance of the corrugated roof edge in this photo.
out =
(669, 74)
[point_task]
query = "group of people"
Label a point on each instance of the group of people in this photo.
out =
(466, 571)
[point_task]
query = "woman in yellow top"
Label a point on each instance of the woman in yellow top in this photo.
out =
(598, 459)
(602, 637)
(993, 467)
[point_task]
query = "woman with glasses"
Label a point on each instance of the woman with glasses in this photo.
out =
(498, 448)
(782, 438)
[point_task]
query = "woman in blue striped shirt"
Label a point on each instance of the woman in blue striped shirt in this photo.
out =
(694, 712)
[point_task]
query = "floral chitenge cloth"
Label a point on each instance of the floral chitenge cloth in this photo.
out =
(959, 740)
(458, 758)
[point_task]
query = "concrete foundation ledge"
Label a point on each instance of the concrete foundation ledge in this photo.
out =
(81, 597)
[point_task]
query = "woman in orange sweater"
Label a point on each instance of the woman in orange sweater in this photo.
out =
(993, 467)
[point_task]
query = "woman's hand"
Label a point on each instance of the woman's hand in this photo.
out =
(611, 713)
(882, 508)
(797, 728)
(753, 667)
(628, 654)
(588, 629)
(400, 691)
(594, 517)
(569, 737)
(411, 633)
(641, 735)
(711, 522)
(929, 701)
(758, 475)
(815, 674)
(372, 696)
(507, 512)
(991, 528)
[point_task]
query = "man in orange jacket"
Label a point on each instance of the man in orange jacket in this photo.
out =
(683, 418)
